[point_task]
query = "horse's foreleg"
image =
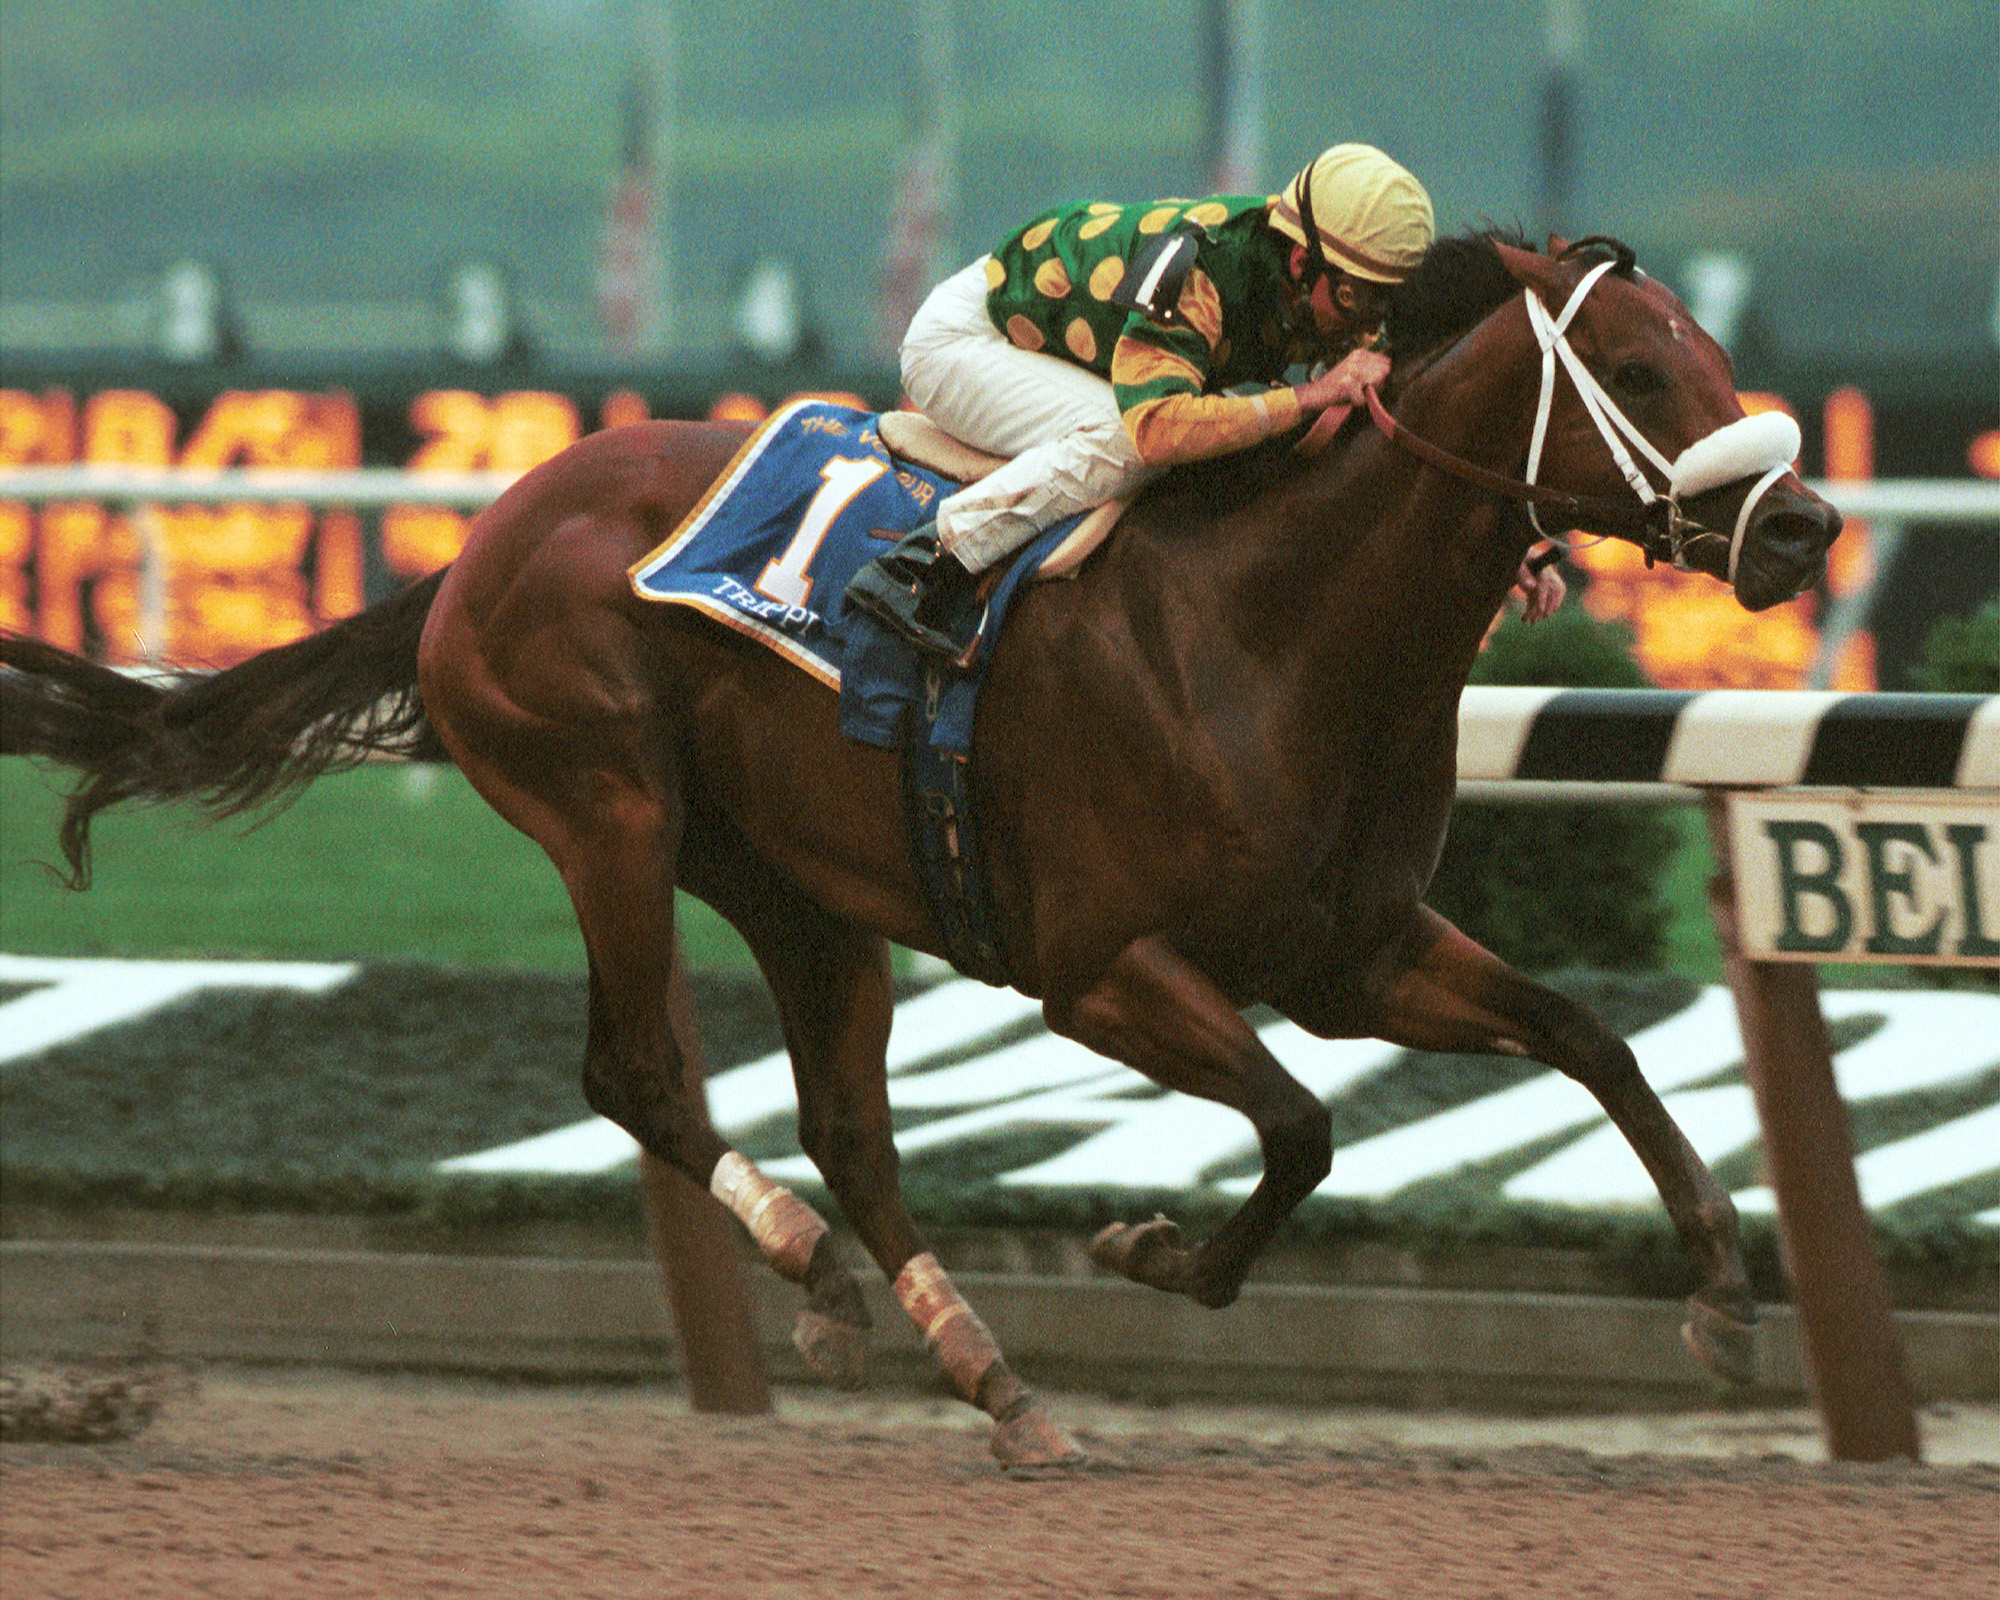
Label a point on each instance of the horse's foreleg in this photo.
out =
(1455, 995)
(831, 983)
(969, 1357)
(1156, 1012)
(837, 1004)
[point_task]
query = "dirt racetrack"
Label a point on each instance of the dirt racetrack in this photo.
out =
(280, 1484)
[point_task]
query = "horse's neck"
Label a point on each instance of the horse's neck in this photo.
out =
(1400, 567)
(1354, 592)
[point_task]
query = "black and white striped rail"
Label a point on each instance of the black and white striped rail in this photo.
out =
(1662, 744)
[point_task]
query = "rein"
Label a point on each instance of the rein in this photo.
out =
(1580, 510)
(1761, 447)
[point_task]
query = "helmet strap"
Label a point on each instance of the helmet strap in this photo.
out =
(1315, 268)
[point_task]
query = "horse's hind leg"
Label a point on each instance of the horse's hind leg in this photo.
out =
(832, 987)
(1455, 995)
(616, 857)
(830, 982)
(606, 806)
(1155, 1011)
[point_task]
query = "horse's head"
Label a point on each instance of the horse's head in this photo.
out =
(1639, 404)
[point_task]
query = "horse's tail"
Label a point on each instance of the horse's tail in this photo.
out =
(257, 732)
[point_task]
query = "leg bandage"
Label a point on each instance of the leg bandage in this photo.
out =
(785, 1227)
(963, 1347)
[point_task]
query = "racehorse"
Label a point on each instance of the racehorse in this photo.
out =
(1213, 769)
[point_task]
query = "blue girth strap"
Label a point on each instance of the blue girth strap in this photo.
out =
(944, 838)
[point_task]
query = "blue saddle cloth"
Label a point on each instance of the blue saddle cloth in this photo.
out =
(812, 496)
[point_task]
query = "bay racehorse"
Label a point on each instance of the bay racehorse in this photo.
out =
(1213, 769)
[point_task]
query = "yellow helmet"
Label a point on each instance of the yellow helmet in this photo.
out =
(1372, 218)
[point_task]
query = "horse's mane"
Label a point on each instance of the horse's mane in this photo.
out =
(1460, 282)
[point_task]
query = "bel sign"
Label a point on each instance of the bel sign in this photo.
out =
(1865, 876)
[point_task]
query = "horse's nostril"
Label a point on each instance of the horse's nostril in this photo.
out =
(1798, 536)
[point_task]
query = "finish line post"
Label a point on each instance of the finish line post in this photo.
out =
(1853, 1359)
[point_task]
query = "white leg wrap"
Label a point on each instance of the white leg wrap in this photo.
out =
(963, 1346)
(785, 1227)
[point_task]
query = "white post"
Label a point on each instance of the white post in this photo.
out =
(921, 248)
(1565, 27)
(659, 50)
(155, 582)
(1237, 65)
(937, 40)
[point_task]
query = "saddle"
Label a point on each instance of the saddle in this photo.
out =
(769, 553)
(912, 437)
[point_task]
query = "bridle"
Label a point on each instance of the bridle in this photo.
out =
(1761, 447)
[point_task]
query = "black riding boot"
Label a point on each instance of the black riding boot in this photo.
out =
(921, 594)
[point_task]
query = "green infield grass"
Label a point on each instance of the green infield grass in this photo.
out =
(405, 863)
(386, 863)
(1691, 949)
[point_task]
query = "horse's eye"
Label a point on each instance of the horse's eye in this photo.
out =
(1635, 377)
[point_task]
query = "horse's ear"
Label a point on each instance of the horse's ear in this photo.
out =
(1536, 271)
(1558, 246)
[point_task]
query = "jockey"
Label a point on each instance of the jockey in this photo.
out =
(1101, 344)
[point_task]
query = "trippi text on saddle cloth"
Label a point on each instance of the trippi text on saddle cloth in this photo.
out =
(793, 619)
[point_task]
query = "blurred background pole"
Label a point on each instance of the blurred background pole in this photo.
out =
(659, 53)
(1235, 54)
(921, 249)
(628, 262)
(696, 1242)
(1559, 113)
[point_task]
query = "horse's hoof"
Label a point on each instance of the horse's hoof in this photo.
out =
(836, 1351)
(1030, 1442)
(1147, 1252)
(1725, 1342)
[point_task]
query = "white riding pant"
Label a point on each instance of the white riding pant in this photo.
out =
(1058, 422)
